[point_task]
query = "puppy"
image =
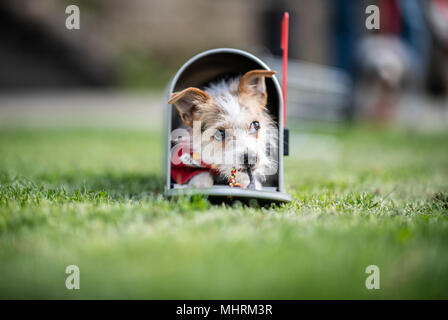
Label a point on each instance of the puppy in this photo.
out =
(234, 138)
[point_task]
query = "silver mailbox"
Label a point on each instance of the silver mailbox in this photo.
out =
(199, 71)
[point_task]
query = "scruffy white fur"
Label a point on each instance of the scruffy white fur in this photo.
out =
(236, 106)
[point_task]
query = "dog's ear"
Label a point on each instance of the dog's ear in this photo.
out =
(188, 102)
(252, 86)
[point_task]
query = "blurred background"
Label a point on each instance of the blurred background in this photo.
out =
(81, 123)
(114, 69)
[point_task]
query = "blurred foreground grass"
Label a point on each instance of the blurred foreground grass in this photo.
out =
(93, 198)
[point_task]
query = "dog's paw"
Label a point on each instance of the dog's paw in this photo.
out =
(202, 180)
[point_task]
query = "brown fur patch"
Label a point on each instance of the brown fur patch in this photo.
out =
(189, 102)
(252, 88)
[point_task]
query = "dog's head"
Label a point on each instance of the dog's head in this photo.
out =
(235, 128)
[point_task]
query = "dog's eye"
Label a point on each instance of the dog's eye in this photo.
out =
(254, 127)
(219, 135)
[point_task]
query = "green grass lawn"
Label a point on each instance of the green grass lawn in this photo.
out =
(93, 198)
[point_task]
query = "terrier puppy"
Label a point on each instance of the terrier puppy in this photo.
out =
(238, 138)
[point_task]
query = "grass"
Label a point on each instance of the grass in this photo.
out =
(93, 198)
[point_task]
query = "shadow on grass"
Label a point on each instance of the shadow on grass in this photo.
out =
(134, 186)
(89, 186)
(112, 185)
